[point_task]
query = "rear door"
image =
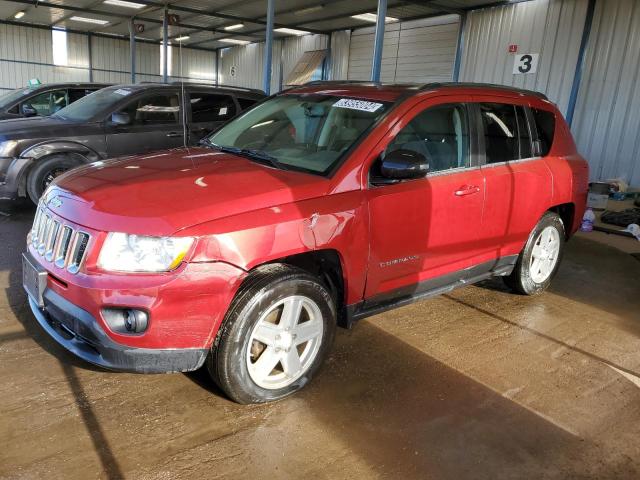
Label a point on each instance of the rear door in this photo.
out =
(517, 183)
(208, 111)
(423, 232)
(155, 124)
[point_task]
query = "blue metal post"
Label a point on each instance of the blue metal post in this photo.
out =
(90, 47)
(165, 48)
(132, 49)
(268, 48)
(577, 78)
(378, 43)
(459, 48)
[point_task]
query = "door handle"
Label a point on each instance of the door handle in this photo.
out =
(467, 190)
(174, 134)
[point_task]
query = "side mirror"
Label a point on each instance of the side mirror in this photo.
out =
(120, 118)
(404, 165)
(28, 110)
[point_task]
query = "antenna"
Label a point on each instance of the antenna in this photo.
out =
(185, 140)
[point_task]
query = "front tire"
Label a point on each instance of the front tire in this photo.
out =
(540, 258)
(45, 171)
(274, 337)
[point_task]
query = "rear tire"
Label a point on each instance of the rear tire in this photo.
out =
(540, 258)
(275, 336)
(45, 171)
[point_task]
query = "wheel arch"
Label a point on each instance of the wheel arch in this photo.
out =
(40, 151)
(328, 266)
(567, 212)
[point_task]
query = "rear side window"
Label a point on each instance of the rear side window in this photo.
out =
(78, 93)
(246, 103)
(545, 125)
(207, 107)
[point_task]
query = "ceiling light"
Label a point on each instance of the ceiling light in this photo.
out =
(96, 21)
(124, 3)
(182, 39)
(306, 11)
(234, 27)
(233, 40)
(372, 17)
(19, 15)
(291, 31)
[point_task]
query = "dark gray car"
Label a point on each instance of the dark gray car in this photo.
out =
(43, 100)
(114, 121)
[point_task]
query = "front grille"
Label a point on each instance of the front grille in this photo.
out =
(57, 242)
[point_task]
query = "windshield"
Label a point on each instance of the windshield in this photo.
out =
(94, 105)
(302, 132)
(12, 96)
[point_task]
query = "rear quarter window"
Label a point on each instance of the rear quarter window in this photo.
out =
(545, 125)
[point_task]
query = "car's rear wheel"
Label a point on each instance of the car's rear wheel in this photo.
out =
(46, 171)
(539, 260)
(274, 337)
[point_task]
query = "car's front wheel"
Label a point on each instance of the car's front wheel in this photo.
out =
(540, 258)
(46, 171)
(275, 335)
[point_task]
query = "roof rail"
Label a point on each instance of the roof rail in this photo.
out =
(493, 86)
(339, 82)
(220, 85)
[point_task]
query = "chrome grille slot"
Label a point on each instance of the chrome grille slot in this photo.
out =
(44, 234)
(34, 228)
(51, 240)
(63, 247)
(80, 243)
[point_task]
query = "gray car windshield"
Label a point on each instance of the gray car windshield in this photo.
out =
(13, 96)
(299, 132)
(94, 105)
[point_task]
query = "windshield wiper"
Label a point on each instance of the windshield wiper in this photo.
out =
(259, 155)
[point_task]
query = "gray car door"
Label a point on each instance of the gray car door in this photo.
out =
(208, 111)
(154, 123)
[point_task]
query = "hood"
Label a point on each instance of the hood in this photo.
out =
(161, 193)
(34, 127)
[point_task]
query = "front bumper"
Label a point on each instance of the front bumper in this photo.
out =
(77, 330)
(11, 170)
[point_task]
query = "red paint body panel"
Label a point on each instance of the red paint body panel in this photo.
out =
(245, 214)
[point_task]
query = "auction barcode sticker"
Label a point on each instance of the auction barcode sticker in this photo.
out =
(122, 91)
(357, 105)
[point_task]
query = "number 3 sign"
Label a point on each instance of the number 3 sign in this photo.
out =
(525, 63)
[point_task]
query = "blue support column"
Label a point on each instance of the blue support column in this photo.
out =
(132, 49)
(165, 49)
(90, 49)
(268, 48)
(577, 78)
(378, 42)
(459, 48)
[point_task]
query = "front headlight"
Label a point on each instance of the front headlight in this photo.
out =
(122, 252)
(7, 148)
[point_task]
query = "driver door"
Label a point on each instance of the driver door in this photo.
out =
(155, 123)
(423, 232)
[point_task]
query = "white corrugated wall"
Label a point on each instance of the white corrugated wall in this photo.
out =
(418, 51)
(550, 28)
(607, 118)
(26, 53)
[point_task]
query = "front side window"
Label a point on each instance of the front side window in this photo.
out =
(95, 105)
(303, 132)
(154, 109)
(47, 103)
(207, 107)
(440, 134)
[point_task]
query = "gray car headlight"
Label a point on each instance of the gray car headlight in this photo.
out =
(122, 252)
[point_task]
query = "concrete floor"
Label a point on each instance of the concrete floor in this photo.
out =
(478, 384)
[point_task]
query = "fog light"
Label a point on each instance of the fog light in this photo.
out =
(126, 320)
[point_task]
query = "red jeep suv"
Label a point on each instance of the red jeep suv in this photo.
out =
(320, 206)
